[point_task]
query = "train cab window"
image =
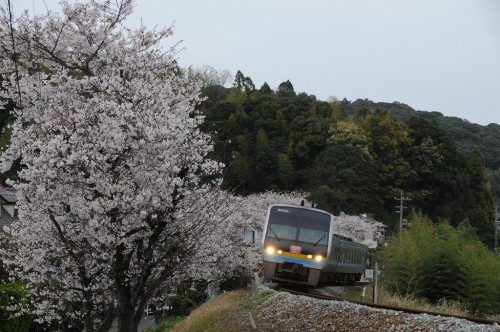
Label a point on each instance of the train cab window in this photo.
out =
(283, 223)
(298, 224)
(314, 227)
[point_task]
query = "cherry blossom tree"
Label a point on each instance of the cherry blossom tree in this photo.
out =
(224, 253)
(115, 193)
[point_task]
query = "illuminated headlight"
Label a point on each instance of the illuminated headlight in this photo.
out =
(270, 250)
(318, 258)
(310, 256)
(279, 252)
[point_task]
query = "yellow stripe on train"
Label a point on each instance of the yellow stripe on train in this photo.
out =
(272, 251)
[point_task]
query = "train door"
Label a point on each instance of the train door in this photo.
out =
(341, 260)
(335, 253)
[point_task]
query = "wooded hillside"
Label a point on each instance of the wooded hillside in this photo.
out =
(354, 157)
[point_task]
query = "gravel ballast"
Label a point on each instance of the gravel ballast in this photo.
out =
(287, 312)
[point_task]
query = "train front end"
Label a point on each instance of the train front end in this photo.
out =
(295, 244)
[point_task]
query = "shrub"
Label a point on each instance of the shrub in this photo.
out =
(183, 305)
(440, 262)
(13, 298)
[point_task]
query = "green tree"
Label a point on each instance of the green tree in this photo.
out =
(338, 112)
(480, 203)
(493, 176)
(343, 179)
(240, 175)
(348, 133)
(286, 171)
(390, 146)
(443, 274)
(265, 162)
(439, 185)
(243, 82)
(440, 261)
(285, 89)
(406, 255)
(265, 89)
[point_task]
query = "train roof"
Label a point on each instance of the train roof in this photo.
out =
(343, 237)
(300, 207)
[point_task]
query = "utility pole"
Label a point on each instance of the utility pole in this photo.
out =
(375, 284)
(401, 199)
(497, 228)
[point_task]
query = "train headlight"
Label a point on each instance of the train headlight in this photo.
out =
(279, 252)
(270, 250)
(318, 258)
(309, 256)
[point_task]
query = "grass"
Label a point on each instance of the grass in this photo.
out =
(410, 302)
(217, 314)
(443, 306)
(212, 316)
(165, 325)
(261, 298)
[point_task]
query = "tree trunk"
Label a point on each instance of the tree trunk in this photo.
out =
(126, 319)
(108, 321)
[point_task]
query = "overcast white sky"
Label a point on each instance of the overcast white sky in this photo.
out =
(434, 55)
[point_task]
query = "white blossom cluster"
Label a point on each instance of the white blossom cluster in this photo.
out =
(360, 228)
(115, 191)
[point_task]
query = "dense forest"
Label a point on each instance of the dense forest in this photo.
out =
(355, 157)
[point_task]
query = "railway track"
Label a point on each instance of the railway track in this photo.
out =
(406, 310)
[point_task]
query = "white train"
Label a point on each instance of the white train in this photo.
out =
(299, 246)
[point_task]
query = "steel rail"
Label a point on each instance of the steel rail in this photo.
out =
(381, 306)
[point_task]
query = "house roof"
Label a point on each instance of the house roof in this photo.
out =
(5, 218)
(8, 197)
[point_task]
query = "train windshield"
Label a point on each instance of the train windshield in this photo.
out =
(296, 224)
